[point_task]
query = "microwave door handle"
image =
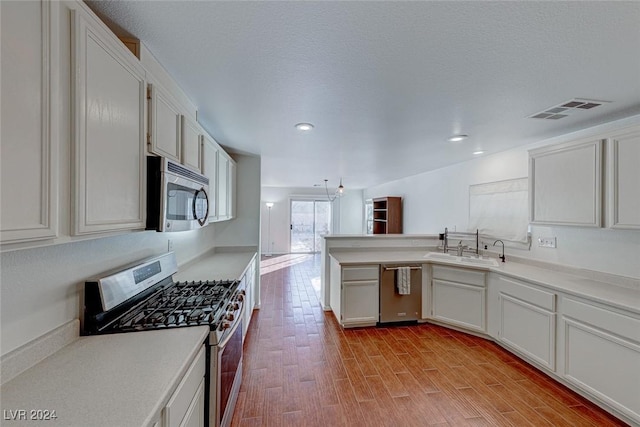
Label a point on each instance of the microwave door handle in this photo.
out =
(202, 220)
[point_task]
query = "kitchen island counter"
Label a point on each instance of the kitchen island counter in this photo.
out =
(107, 380)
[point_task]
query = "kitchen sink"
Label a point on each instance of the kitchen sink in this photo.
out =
(462, 259)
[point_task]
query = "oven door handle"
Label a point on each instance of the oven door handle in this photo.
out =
(232, 330)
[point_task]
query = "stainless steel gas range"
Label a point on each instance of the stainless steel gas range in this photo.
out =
(145, 297)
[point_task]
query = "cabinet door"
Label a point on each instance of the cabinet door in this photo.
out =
(28, 165)
(565, 184)
(623, 180)
(602, 354)
(210, 169)
(231, 197)
(459, 304)
(528, 321)
(222, 187)
(164, 124)
(186, 405)
(360, 303)
(190, 144)
(108, 147)
(195, 413)
(250, 295)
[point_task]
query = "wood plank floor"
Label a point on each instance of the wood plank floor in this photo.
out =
(302, 369)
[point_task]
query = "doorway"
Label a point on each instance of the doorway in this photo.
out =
(310, 220)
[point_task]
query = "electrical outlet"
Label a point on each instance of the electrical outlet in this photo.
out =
(170, 245)
(547, 242)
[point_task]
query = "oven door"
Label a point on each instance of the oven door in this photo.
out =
(185, 204)
(228, 373)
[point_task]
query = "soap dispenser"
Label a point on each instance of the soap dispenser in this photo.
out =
(460, 248)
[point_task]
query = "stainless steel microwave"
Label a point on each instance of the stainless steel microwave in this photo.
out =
(177, 197)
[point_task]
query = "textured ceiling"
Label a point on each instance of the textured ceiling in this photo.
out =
(385, 83)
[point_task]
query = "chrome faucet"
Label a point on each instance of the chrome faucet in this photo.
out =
(502, 257)
(460, 248)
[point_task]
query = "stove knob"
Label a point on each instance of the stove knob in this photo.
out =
(230, 317)
(226, 325)
(242, 292)
(240, 297)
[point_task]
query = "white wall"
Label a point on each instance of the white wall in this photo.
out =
(244, 229)
(40, 287)
(438, 199)
(347, 214)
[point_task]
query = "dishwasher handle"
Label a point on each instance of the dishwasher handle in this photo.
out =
(395, 268)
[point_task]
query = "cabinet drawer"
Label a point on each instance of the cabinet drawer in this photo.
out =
(530, 294)
(179, 403)
(365, 272)
(620, 324)
(470, 277)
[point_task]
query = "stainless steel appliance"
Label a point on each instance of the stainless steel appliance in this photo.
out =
(145, 297)
(177, 197)
(394, 306)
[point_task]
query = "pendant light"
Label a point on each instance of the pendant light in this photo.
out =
(338, 193)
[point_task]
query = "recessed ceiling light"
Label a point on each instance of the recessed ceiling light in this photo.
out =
(457, 138)
(304, 126)
(478, 152)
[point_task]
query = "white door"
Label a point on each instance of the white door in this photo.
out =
(310, 220)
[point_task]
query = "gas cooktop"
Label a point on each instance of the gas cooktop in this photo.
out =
(144, 297)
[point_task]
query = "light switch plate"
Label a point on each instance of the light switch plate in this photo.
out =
(547, 242)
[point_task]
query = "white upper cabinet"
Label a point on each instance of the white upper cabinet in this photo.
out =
(108, 103)
(565, 184)
(29, 142)
(190, 143)
(623, 179)
(164, 123)
(209, 159)
(222, 193)
(231, 196)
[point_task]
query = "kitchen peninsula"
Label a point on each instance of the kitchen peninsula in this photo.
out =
(552, 316)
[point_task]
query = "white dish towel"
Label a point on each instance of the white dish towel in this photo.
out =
(403, 280)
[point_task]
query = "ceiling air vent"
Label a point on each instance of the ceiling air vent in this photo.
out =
(568, 108)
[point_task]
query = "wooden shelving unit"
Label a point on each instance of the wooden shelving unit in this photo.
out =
(387, 215)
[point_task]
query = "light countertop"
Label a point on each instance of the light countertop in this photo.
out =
(216, 266)
(118, 379)
(107, 380)
(623, 297)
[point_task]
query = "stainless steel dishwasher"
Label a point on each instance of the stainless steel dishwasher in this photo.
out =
(394, 306)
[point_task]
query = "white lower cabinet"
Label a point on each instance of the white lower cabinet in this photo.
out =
(359, 295)
(526, 320)
(458, 297)
(250, 300)
(186, 406)
(600, 353)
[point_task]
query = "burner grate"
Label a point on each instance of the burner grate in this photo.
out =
(180, 304)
